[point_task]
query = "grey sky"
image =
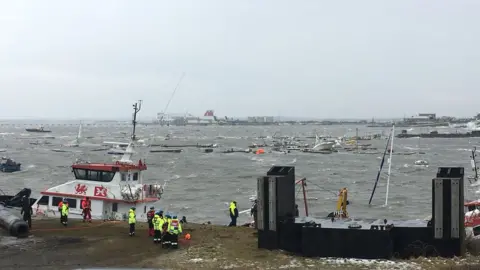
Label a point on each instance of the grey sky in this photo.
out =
(323, 59)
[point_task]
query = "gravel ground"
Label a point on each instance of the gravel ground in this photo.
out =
(100, 244)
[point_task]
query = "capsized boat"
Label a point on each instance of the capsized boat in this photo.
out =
(113, 188)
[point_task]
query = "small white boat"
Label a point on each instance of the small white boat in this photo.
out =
(422, 163)
(323, 144)
(116, 151)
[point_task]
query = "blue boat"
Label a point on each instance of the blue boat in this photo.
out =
(9, 165)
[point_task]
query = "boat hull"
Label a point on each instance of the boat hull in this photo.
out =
(10, 168)
(37, 130)
(101, 209)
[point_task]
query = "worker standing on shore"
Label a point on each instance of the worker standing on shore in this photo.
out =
(233, 214)
(166, 239)
(253, 212)
(87, 209)
(150, 216)
(157, 222)
(132, 219)
(27, 211)
(65, 209)
(174, 228)
(60, 204)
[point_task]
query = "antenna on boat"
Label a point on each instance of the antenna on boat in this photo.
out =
(136, 108)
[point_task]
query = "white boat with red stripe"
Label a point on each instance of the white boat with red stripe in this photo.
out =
(113, 188)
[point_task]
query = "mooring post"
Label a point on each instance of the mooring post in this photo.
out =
(448, 215)
(276, 203)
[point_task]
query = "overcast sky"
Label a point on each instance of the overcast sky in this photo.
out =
(322, 59)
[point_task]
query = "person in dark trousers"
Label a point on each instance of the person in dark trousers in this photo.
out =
(132, 219)
(27, 211)
(253, 213)
(296, 210)
(150, 217)
(233, 214)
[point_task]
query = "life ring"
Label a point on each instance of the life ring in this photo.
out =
(117, 162)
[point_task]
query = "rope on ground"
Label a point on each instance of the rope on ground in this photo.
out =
(74, 228)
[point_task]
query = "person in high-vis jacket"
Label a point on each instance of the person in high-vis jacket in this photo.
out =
(132, 219)
(64, 215)
(165, 235)
(233, 214)
(157, 227)
(174, 228)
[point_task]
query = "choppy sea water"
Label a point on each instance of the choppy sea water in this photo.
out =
(201, 184)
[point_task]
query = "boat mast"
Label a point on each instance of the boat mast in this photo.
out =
(380, 169)
(390, 163)
(474, 163)
(356, 140)
(136, 108)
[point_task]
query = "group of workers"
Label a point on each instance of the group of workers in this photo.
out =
(63, 209)
(164, 228)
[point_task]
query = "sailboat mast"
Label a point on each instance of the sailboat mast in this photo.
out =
(356, 140)
(136, 108)
(474, 163)
(390, 164)
(380, 169)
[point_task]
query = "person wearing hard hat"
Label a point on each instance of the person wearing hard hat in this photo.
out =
(233, 214)
(165, 231)
(64, 215)
(132, 219)
(174, 228)
(157, 227)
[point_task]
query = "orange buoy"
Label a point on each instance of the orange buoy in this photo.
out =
(260, 151)
(187, 236)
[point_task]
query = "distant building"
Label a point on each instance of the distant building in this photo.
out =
(261, 119)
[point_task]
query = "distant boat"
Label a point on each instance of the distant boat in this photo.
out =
(38, 130)
(9, 165)
(77, 141)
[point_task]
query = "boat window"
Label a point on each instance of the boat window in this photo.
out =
(135, 176)
(93, 175)
(56, 201)
(107, 176)
(124, 177)
(80, 174)
(72, 203)
(100, 176)
(43, 200)
(114, 207)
